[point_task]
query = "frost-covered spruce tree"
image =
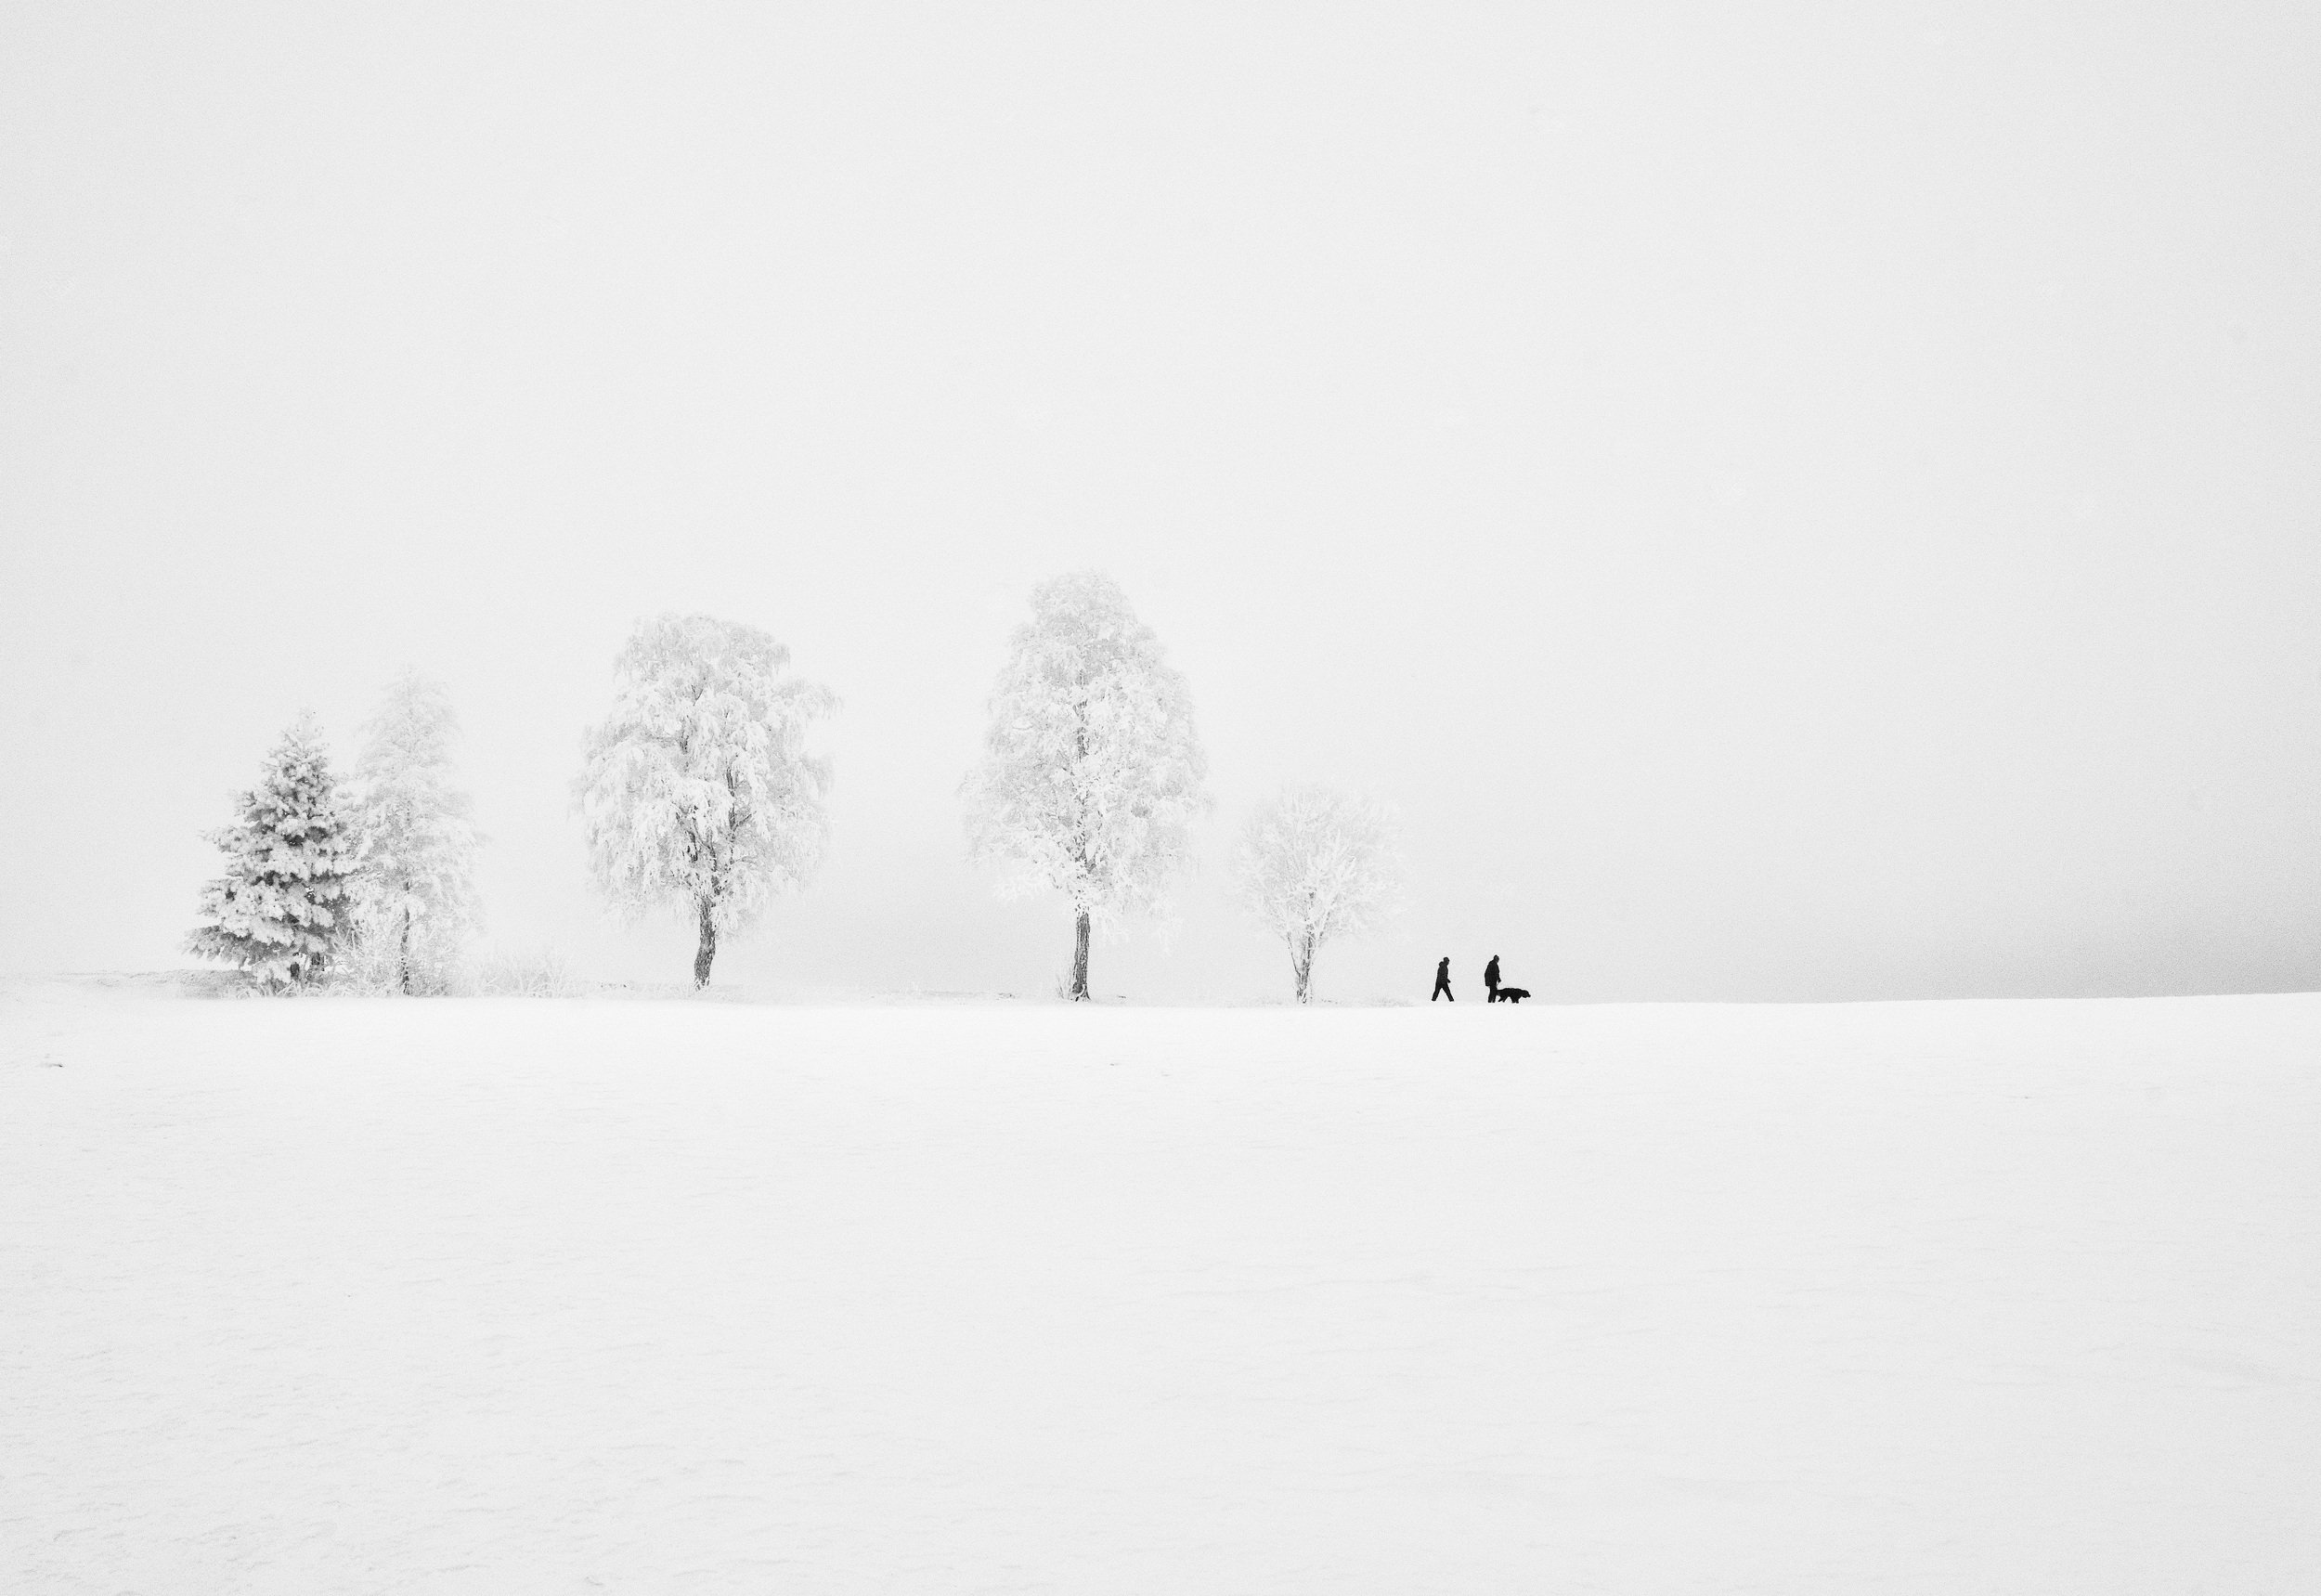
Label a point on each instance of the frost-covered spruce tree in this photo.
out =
(1314, 865)
(1092, 774)
(698, 792)
(415, 900)
(280, 910)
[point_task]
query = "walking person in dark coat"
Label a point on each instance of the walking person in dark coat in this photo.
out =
(1491, 978)
(1441, 982)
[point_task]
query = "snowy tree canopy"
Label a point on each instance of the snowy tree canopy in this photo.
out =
(1092, 774)
(1314, 865)
(698, 791)
(280, 910)
(415, 897)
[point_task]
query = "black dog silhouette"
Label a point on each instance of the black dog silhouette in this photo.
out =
(1513, 994)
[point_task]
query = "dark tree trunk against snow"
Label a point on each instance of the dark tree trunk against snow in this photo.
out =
(709, 947)
(1080, 959)
(403, 955)
(1301, 962)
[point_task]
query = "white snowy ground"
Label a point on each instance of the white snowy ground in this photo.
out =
(640, 1296)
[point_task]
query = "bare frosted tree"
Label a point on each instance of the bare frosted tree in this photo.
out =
(698, 792)
(1315, 865)
(415, 899)
(1092, 774)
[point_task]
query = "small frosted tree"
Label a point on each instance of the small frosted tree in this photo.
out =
(1315, 865)
(280, 912)
(698, 792)
(415, 900)
(1091, 773)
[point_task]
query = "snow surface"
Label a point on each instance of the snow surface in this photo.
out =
(494, 1296)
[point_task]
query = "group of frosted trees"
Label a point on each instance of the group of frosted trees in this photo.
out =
(374, 877)
(698, 794)
(1092, 777)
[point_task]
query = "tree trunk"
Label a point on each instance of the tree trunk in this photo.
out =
(1080, 958)
(403, 956)
(708, 949)
(1302, 961)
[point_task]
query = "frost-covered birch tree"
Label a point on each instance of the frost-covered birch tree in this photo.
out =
(415, 900)
(698, 792)
(279, 912)
(1314, 865)
(1092, 774)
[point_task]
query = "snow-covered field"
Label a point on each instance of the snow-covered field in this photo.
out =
(499, 1296)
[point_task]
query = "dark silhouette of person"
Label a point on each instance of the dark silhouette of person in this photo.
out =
(1491, 978)
(1441, 982)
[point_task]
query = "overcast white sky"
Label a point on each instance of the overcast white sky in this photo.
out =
(1796, 502)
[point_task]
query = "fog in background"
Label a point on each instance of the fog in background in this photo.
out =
(1790, 504)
